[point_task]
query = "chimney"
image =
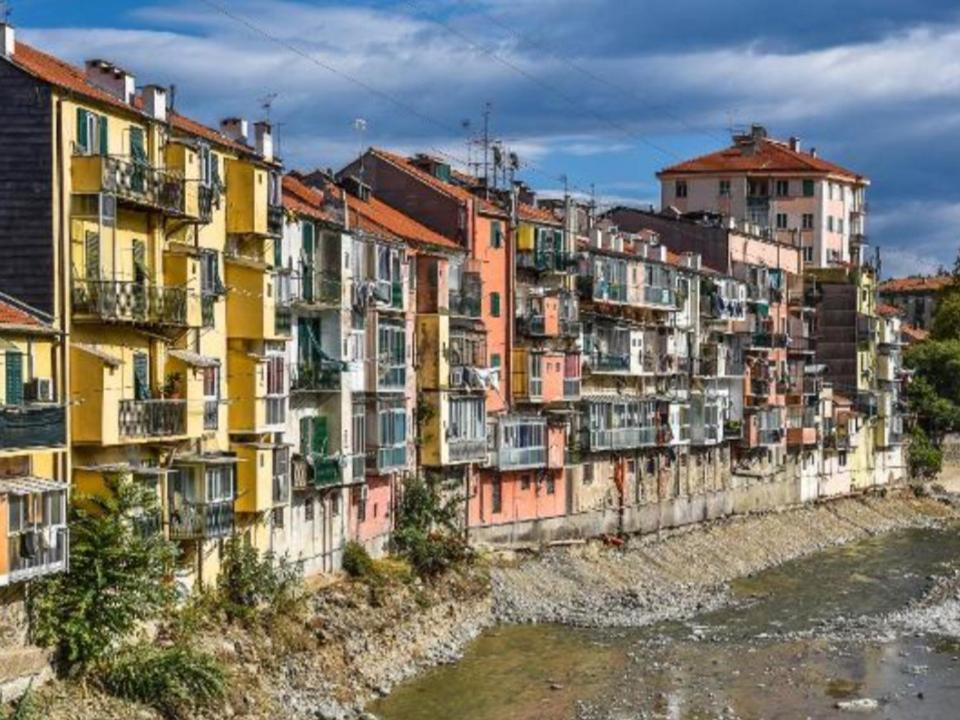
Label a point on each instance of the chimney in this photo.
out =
(111, 79)
(263, 134)
(813, 152)
(8, 40)
(155, 102)
(795, 143)
(236, 129)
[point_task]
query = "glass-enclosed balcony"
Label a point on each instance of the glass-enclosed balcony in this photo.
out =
(521, 442)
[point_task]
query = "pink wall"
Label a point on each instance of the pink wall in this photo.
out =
(552, 377)
(493, 272)
(379, 512)
(551, 316)
(518, 503)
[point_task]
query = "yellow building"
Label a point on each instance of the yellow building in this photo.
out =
(153, 230)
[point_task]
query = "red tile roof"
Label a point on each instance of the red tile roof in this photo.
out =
(304, 200)
(886, 310)
(377, 217)
(768, 157)
(934, 283)
(912, 334)
(536, 214)
(54, 71)
(16, 314)
(449, 189)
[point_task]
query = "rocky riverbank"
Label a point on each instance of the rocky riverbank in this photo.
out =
(357, 640)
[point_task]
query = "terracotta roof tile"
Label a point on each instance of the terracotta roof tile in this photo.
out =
(886, 310)
(17, 314)
(376, 216)
(304, 200)
(536, 214)
(454, 191)
(769, 156)
(934, 283)
(912, 334)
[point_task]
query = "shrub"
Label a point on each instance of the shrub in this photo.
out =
(117, 578)
(426, 534)
(248, 582)
(357, 562)
(174, 680)
(923, 458)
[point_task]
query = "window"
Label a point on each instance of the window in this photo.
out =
(495, 360)
(359, 429)
(361, 506)
(725, 187)
(141, 376)
(14, 378)
(783, 188)
(807, 221)
(808, 254)
(551, 486)
(211, 383)
(808, 188)
(91, 248)
(308, 510)
(497, 496)
(535, 388)
(840, 225)
(467, 419)
(680, 189)
(588, 473)
(829, 223)
(830, 190)
(278, 517)
(781, 221)
(138, 146)
(91, 133)
(842, 459)
(219, 484)
(495, 304)
(496, 234)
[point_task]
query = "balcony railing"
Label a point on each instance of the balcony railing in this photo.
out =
(464, 304)
(202, 520)
(468, 450)
(659, 295)
(45, 553)
(152, 418)
(599, 363)
(282, 320)
(517, 458)
(391, 458)
(570, 328)
(32, 426)
(211, 414)
(534, 325)
(325, 377)
(128, 301)
(142, 184)
(392, 377)
(275, 220)
(276, 410)
(208, 198)
(549, 261)
(319, 287)
(622, 438)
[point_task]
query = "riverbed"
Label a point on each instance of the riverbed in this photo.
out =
(793, 642)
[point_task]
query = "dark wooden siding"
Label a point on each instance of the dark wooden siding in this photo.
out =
(26, 194)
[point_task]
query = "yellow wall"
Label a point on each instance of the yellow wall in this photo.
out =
(246, 198)
(254, 478)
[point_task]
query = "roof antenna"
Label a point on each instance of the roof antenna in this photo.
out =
(266, 103)
(6, 10)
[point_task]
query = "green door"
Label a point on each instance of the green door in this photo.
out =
(14, 378)
(141, 376)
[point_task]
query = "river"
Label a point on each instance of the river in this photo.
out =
(798, 640)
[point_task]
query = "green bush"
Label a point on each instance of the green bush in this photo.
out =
(174, 680)
(357, 562)
(923, 458)
(248, 582)
(117, 578)
(426, 534)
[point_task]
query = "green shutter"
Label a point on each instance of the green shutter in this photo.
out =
(320, 437)
(305, 436)
(495, 304)
(14, 378)
(91, 252)
(808, 188)
(104, 141)
(141, 383)
(138, 150)
(307, 275)
(82, 139)
(495, 237)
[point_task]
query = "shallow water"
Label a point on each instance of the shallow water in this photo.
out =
(780, 652)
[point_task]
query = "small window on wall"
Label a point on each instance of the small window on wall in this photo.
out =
(782, 221)
(91, 133)
(495, 360)
(524, 482)
(807, 221)
(14, 378)
(308, 510)
(808, 254)
(551, 486)
(496, 234)
(496, 500)
(782, 188)
(808, 188)
(725, 188)
(680, 189)
(495, 304)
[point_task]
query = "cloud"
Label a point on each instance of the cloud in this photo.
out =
(918, 237)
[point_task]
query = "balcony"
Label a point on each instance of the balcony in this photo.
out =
(621, 438)
(467, 450)
(275, 220)
(390, 459)
(659, 296)
(769, 436)
(767, 340)
(521, 443)
(152, 418)
(571, 388)
(546, 261)
(533, 325)
(319, 288)
(202, 520)
(519, 458)
(50, 556)
(128, 301)
(608, 363)
(32, 426)
(325, 377)
(208, 198)
(211, 414)
(132, 183)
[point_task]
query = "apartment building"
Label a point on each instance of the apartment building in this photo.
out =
(793, 196)
(146, 236)
(916, 297)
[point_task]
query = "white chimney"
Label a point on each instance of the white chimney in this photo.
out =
(8, 40)
(263, 133)
(236, 129)
(795, 143)
(112, 79)
(155, 102)
(813, 152)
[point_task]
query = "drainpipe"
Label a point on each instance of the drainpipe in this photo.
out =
(63, 305)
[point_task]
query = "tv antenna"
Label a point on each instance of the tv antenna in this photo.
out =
(6, 10)
(266, 103)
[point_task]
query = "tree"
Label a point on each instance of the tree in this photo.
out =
(923, 459)
(117, 578)
(426, 533)
(934, 392)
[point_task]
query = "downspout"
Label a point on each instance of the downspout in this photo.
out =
(63, 251)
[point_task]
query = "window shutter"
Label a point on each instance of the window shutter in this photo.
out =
(104, 137)
(495, 304)
(138, 151)
(82, 138)
(307, 275)
(92, 255)
(141, 385)
(320, 437)
(305, 436)
(14, 378)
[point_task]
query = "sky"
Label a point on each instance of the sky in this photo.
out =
(597, 94)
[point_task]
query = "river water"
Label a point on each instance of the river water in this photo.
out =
(797, 640)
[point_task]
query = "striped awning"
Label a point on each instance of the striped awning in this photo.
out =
(28, 485)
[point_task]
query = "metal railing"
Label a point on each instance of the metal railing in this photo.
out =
(143, 184)
(33, 553)
(211, 414)
(608, 363)
(32, 426)
(391, 458)
(129, 301)
(319, 287)
(621, 438)
(322, 377)
(521, 457)
(202, 520)
(208, 198)
(467, 449)
(546, 261)
(152, 418)
(659, 295)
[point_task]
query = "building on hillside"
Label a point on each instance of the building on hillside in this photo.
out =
(916, 297)
(147, 237)
(792, 196)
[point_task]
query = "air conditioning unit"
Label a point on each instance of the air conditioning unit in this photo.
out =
(39, 390)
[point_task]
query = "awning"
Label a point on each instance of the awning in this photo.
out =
(124, 468)
(207, 460)
(194, 359)
(106, 357)
(29, 485)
